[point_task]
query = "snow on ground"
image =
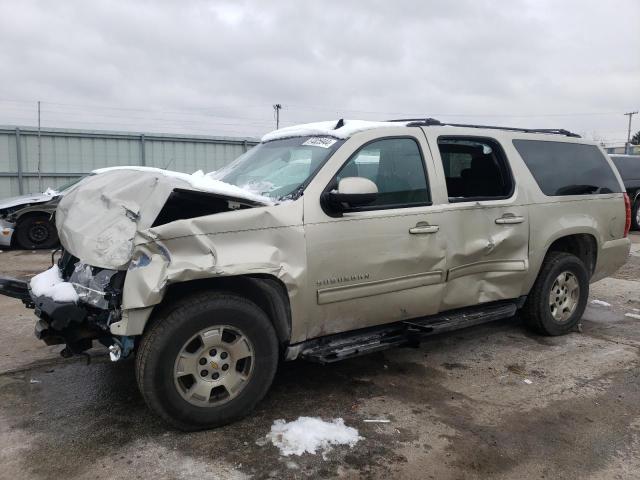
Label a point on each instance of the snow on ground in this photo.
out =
(601, 303)
(310, 434)
(50, 284)
(328, 129)
(200, 181)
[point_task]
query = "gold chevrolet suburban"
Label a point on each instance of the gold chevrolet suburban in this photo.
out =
(324, 242)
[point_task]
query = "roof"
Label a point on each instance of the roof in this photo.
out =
(333, 128)
(343, 129)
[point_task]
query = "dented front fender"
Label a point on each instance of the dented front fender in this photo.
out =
(267, 240)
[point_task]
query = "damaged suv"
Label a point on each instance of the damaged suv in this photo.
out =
(324, 242)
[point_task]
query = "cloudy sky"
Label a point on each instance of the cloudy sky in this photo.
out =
(216, 67)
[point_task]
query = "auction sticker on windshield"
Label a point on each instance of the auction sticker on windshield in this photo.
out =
(324, 142)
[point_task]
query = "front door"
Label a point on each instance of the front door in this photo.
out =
(380, 263)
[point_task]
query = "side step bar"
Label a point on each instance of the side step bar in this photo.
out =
(408, 333)
(12, 287)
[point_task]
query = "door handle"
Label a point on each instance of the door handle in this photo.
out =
(509, 219)
(422, 227)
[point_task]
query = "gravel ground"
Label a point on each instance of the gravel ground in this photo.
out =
(459, 406)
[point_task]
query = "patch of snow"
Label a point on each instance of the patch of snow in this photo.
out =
(377, 420)
(50, 284)
(327, 129)
(200, 181)
(310, 434)
(601, 303)
(632, 315)
(527, 381)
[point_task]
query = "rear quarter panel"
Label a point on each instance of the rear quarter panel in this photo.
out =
(554, 217)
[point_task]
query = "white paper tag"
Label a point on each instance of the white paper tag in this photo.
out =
(322, 142)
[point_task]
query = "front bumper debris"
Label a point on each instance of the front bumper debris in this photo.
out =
(75, 324)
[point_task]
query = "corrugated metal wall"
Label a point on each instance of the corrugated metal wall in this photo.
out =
(67, 154)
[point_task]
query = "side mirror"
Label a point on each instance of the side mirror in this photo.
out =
(352, 192)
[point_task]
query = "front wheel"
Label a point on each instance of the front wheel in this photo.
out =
(207, 361)
(35, 232)
(559, 296)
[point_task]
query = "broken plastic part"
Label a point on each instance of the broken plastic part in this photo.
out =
(115, 352)
(121, 348)
(91, 287)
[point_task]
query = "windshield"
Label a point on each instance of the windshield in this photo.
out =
(68, 185)
(279, 168)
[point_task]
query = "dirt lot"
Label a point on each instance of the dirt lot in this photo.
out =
(459, 406)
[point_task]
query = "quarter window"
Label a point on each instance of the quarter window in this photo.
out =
(396, 166)
(474, 169)
(563, 168)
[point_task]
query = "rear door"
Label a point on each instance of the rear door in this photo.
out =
(486, 224)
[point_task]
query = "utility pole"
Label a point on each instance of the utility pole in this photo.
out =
(39, 151)
(627, 146)
(276, 109)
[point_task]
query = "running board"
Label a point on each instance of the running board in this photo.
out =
(338, 347)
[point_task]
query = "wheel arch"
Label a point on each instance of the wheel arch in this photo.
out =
(582, 244)
(266, 291)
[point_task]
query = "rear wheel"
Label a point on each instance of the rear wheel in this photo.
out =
(559, 296)
(207, 361)
(35, 232)
(635, 215)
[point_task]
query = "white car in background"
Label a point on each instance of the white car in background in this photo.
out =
(27, 222)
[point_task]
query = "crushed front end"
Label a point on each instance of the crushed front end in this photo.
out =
(78, 318)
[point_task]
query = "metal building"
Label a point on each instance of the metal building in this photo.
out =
(67, 154)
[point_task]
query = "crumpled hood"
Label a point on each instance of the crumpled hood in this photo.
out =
(98, 220)
(25, 199)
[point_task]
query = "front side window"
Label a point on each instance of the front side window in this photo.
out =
(279, 168)
(563, 168)
(474, 169)
(396, 166)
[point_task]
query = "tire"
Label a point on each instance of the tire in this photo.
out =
(635, 215)
(539, 309)
(205, 318)
(36, 232)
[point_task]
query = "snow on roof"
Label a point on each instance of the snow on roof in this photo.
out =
(199, 181)
(328, 129)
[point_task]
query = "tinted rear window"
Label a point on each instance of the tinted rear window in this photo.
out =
(567, 168)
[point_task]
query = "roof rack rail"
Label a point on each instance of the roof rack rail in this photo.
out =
(427, 122)
(418, 122)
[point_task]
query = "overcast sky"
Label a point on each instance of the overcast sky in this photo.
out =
(217, 68)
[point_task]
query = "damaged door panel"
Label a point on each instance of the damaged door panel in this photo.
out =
(325, 241)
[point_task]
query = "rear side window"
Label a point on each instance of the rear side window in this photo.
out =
(474, 168)
(567, 168)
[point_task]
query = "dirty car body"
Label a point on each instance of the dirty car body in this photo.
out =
(345, 238)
